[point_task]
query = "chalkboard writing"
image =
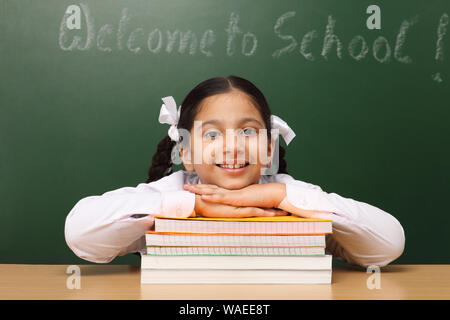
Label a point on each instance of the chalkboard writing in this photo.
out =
(157, 41)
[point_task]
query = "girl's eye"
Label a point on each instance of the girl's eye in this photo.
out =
(245, 132)
(249, 131)
(212, 134)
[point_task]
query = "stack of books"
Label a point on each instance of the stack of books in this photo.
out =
(282, 249)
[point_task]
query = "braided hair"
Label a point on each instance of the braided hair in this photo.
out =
(162, 164)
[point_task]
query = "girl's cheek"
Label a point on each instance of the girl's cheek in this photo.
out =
(211, 152)
(259, 152)
(204, 151)
(252, 150)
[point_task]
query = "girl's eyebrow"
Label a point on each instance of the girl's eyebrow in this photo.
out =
(243, 120)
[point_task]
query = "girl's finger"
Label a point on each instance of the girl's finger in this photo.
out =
(238, 212)
(228, 198)
(202, 185)
(254, 212)
(199, 190)
(213, 197)
(212, 186)
(277, 212)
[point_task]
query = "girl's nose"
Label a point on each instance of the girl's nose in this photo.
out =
(234, 144)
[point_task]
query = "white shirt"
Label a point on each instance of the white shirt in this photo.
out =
(102, 227)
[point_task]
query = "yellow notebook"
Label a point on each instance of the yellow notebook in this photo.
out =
(267, 219)
(254, 225)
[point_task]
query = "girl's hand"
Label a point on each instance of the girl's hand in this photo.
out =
(267, 195)
(218, 210)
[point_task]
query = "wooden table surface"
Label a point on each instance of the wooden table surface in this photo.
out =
(20, 281)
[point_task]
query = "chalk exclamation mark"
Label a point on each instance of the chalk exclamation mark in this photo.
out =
(441, 31)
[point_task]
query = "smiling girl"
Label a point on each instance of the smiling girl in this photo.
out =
(217, 134)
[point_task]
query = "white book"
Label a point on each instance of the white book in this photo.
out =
(237, 262)
(218, 276)
(235, 251)
(248, 240)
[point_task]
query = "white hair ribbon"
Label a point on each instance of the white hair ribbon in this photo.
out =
(286, 132)
(170, 115)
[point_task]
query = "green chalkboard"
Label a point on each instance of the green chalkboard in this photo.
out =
(79, 107)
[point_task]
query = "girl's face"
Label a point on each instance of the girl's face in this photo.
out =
(225, 131)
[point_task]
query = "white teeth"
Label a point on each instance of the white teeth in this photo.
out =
(230, 166)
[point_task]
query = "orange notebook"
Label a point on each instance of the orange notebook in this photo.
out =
(153, 238)
(256, 225)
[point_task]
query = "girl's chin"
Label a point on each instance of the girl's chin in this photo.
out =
(233, 185)
(236, 179)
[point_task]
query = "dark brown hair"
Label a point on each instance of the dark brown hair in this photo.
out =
(162, 161)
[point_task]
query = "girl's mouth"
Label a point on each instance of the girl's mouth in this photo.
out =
(237, 168)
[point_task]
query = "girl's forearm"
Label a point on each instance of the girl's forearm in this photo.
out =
(279, 195)
(276, 191)
(288, 207)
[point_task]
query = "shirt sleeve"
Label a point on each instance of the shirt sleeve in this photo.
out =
(99, 228)
(362, 235)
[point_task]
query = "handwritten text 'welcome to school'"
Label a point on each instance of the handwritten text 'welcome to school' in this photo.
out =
(108, 38)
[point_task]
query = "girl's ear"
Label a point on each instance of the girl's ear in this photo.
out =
(186, 158)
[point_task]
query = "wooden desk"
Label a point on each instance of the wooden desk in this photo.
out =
(123, 282)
